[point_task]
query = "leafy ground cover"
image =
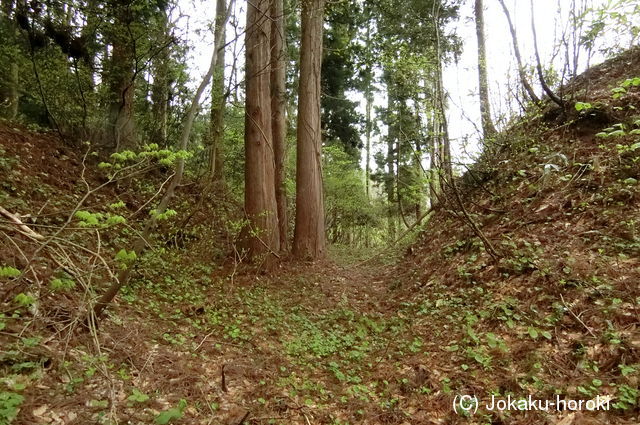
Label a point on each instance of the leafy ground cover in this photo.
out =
(195, 339)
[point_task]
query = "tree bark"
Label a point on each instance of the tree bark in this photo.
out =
(9, 93)
(516, 51)
(309, 235)
(9, 96)
(218, 101)
(279, 115)
(261, 236)
(390, 186)
(160, 92)
(120, 131)
(485, 109)
(368, 108)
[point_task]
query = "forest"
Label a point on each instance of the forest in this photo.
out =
(320, 212)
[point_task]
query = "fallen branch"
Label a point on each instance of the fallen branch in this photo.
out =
(576, 317)
(23, 228)
(485, 241)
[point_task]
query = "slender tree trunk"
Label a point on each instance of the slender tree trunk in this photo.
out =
(417, 165)
(218, 101)
(160, 92)
(543, 81)
(516, 51)
(433, 172)
(9, 93)
(368, 108)
(88, 33)
(9, 89)
(279, 114)
(390, 187)
(309, 235)
(485, 109)
(262, 236)
(443, 137)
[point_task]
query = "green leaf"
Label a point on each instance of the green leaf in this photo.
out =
(62, 284)
(24, 299)
(172, 414)
(138, 396)
(116, 205)
(9, 404)
(533, 332)
(472, 334)
(8, 271)
(626, 370)
(102, 404)
(582, 106)
(115, 219)
(617, 133)
(492, 340)
(124, 255)
(167, 416)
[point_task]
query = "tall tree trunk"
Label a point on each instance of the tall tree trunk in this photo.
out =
(279, 114)
(218, 101)
(485, 110)
(369, 106)
(120, 131)
(9, 92)
(417, 166)
(160, 91)
(516, 51)
(390, 187)
(433, 169)
(309, 235)
(262, 236)
(9, 89)
(445, 159)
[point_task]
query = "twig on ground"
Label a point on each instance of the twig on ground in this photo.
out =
(576, 317)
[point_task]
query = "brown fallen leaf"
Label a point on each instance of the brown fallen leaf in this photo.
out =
(237, 416)
(567, 420)
(40, 411)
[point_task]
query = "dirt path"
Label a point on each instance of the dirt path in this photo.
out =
(306, 345)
